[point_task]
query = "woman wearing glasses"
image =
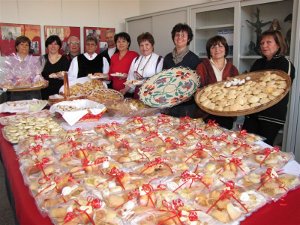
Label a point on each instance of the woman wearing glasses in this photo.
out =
(88, 63)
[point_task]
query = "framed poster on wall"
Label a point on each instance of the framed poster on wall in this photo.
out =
(9, 32)
(64, 32)
(99, 33)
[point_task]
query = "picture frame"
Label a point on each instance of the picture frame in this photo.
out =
(10, 31)
(64, 33)
(99, 33)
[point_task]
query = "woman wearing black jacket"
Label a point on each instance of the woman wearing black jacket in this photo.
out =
(268, 122)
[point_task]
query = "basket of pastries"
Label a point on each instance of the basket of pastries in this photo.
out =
(77, 89)
(130, 107)
(106, 96)
(244, 94)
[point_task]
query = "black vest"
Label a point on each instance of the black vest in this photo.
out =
(86, 66)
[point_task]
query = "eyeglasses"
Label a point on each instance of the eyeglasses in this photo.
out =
(90, 44)
(181, 35)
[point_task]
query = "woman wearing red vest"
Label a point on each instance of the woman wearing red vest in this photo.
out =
(121, 61)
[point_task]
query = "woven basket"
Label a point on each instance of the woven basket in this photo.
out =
(254, 77)
(106, 95)
(66, 94)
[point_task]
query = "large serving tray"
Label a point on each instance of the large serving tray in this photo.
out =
(254, 76)
(169, 87)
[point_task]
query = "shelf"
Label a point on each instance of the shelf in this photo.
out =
(230, 25)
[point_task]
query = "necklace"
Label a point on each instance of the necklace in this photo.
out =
(143, 68)
(54, 58)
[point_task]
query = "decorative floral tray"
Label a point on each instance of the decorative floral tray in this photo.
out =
(244, 94)
(169, 87)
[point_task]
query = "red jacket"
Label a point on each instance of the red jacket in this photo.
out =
(120, 66)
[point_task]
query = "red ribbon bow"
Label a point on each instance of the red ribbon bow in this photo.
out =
(118, 175)
(155, 162)
(227, 193)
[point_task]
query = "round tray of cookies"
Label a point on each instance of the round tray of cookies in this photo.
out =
(244, 94)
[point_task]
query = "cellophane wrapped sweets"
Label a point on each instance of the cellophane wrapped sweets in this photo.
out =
(17, 73)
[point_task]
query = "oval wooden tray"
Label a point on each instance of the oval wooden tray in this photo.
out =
(254, 77)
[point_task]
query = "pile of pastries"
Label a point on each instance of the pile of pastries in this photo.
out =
(86, 88)
(130, 107)
(152, 170)
(20, 127)
(106, 96)
(241, 94)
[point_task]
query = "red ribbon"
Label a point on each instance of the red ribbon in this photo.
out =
(155, 162)
(197, 152)
(118, 175)
(187, 176)
(269, 175)
(153, 134)
(41, 164)
(212, 123)
(243, 133)
(94, 202)
(267, 152)
(174, 208)
(163, 119)
(111, 133)
(227, 193)
(35, 149)
(238, 163)
(148, 189)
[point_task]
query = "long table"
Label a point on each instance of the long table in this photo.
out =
(285, 211)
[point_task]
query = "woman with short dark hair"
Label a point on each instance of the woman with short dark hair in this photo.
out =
(217, 68)
(22, 40)
(181, 56)
(121, 61)
(182, 36)
(54, 63)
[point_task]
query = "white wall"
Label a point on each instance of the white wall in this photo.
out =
(150, 6)
(98, 13)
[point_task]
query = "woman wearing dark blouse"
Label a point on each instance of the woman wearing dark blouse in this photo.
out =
(54, 63)
(268, 122)
(182, 35)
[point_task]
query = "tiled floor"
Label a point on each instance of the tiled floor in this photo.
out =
(6, 213)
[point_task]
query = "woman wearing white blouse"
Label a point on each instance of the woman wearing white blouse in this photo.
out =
(145, 65)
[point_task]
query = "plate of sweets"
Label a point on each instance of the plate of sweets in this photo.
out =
(131, 83)
(244, 94)
(79, 110)
(97, 76)
(120, 75)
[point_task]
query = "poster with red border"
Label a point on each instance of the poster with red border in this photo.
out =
(64, 32)
(9, 32)
(99, 33)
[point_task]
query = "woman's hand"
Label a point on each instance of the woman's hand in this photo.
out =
(138, 76)
(58, 75)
